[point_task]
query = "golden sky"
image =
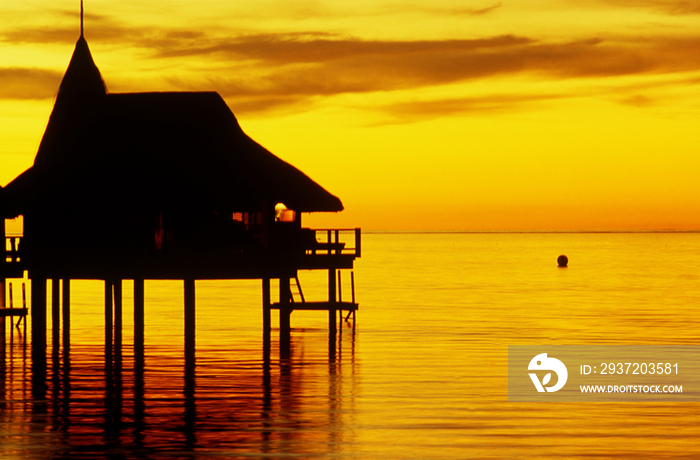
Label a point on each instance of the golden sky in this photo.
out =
(419, 115)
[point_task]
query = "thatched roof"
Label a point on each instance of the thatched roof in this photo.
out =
(153, 150)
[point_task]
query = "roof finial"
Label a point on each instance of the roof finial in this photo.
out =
(81, 18)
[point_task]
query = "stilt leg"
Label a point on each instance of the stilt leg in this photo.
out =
(2, 300)
(39, 314)
(38, 293)
(109, 325)
(55, 311)
(285, 308)
(331, 301)
(189, 320)
(267, 322)
(66, 314)
(267, 318)
(139, 316)
(117, 288)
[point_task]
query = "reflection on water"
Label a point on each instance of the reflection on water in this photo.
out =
(126, 403)
(424, 376)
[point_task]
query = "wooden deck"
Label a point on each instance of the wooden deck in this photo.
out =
(329, 249)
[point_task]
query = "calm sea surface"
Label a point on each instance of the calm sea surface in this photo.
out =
(424, 375)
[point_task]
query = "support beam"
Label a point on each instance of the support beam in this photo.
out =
(285, 307)
(189, 320)
(38, 292)
(55, 311)
(139, 300)
(108, 317)
(117, 290)
(66, 313)
(38, 306)
(332, 311)
(2, 293)
(3, 255)
(267, 320)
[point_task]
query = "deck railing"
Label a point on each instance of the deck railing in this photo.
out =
(345, 241)
(341, 241)
(11, 248)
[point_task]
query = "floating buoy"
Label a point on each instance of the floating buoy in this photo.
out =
(563, 261)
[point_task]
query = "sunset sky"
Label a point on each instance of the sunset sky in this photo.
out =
(419, 115)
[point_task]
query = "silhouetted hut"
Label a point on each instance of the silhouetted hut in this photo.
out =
(163, 186)
(145, 170)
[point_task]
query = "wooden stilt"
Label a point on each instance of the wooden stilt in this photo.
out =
(267, 320)
(139, 300)
(66, 313)
(38, 293)
(24, 305)
(108, 317)
(189, 320)
(117, 290)
(2, 294)
(39, 313)
(3, 254)
(331, 301)
(55, 311)
(352, 287)
(340, 300)
(285, 307)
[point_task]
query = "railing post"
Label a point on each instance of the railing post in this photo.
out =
(358, 242)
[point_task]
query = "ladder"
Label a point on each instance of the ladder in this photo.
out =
(299, 291)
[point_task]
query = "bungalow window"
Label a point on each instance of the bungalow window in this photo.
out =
(282, 214)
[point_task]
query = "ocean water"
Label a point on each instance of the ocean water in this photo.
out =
(422, 375)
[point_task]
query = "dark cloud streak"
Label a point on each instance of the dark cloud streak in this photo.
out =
(23, 83)
(264, 71)
(670, 7)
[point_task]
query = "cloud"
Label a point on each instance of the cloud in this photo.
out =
(441, 10)
(494, 103)
(325, 65)
(671, 7)
(27, 83)
(637, 100)
(270, 70)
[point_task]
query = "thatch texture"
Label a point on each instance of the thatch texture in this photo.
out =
(144, 152)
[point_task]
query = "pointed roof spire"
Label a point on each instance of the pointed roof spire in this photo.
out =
(82, 79)
(81, 92)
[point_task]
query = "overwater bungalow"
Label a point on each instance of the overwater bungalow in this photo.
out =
(163, 185)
